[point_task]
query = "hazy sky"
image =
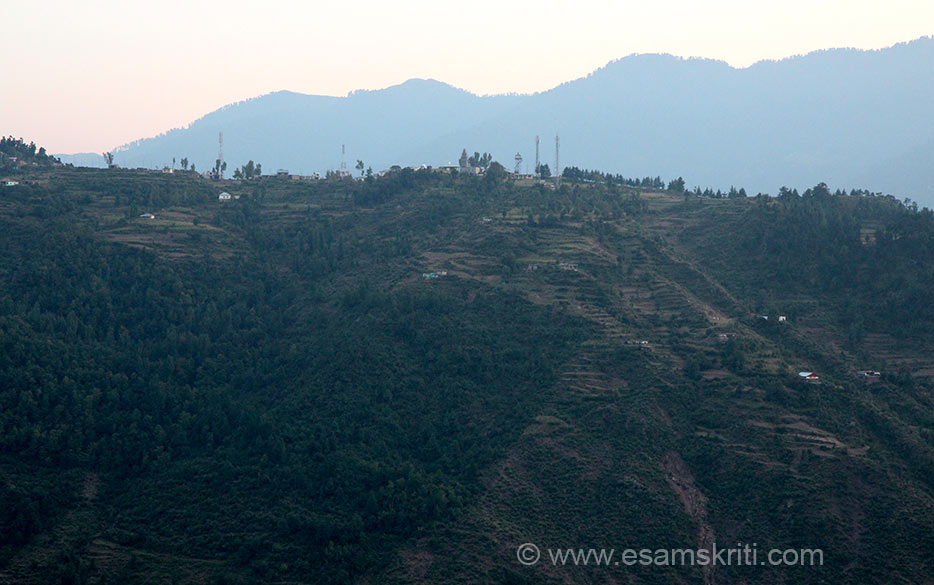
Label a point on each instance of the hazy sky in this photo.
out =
(88, 75)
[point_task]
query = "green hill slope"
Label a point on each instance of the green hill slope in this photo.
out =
(402, 380)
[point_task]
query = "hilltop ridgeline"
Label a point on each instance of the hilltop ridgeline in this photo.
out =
(850, 118)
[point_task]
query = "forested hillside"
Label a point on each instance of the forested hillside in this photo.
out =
(402, 379)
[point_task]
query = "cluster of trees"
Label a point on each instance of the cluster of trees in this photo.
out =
(822, 191)
(375, 191)
(220, 166)
(359, 166)
(733, 193)
(595, 176)
(675, 185)
(248, 171)
(16, 149)
(477, 160)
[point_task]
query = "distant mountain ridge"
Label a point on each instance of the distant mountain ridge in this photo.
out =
(849, 117)
(84, 159)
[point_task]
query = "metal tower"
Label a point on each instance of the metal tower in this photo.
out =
(538, 163)
(343, 158)
(518, 164)
(557, 171)
(220, 154)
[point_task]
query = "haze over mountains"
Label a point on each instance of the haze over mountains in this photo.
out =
(848, 117)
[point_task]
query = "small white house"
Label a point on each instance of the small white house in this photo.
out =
(782, 318)
(11, 183)
(225, 196)
(147, 216)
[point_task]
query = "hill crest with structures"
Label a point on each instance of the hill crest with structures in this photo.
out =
(853, 118)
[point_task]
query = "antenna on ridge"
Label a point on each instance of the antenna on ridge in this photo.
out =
(518, 164)
(538, 163)
(220, 154)
(343, 158)
(557, 168)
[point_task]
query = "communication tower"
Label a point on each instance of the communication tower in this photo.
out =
(220, 154)
(557, 170)
(538, 163)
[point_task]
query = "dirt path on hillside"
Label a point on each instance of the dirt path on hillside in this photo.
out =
(681, 480)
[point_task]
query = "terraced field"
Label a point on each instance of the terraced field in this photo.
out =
(286, 398)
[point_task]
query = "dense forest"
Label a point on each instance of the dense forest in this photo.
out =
(400, 379)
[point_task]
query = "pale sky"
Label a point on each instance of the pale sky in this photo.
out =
(89, 75)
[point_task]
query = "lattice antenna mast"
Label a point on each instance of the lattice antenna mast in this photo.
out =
(220, 154)
(518, 164)
(557, 170)
(343, 158)
(538, 163)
